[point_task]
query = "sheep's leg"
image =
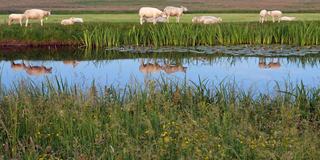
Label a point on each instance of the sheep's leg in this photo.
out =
(9, 22)
(178, 19)
(154, 20)
(20, 20)
(278, 19)
(141, 20)
(27, 21)
(41, 22)
(273, 20)
(168, 18)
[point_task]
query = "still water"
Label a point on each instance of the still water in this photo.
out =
(250, 72)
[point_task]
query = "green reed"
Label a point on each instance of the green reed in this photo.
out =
(161, 120)
(295, 33)
(99, 35)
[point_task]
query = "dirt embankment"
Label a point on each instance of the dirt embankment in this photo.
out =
(30, 44)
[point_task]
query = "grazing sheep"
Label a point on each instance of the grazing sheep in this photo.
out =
(174, 12)
(77, 20)
(71, 21)
(16, 17)
(206, 20)
(275, 15)
(67, 22)
(287, 18)
(158, 20)
(149, 12)
(36, 14)
(263, 16)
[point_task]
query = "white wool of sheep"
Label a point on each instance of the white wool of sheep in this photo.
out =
(16, 17)
(66, 22)
(158, 20)
(149, 12)
(284, 18)
(171, 11)
(77, 20)
(36, 14)
(263, 15)
(206, 19)
(276, 14)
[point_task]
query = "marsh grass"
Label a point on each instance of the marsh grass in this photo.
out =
(296, 33)
(162, 120)
(129, 34)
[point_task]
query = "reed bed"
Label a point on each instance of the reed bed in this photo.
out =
(102, 35)
(297, 33)
(162, 120)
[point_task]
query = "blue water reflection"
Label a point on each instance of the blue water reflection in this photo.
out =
(248, 72)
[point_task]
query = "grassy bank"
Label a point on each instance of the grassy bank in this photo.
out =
(129, 34)
(134, 18)
(193, 5)
(165, 121)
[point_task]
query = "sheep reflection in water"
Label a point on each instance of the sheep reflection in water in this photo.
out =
(31, 70)
(273, 64)
(18, 66)
(74, 63)
(148, 68)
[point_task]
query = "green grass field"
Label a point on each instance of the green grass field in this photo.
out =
(119, 18)
(134, 5)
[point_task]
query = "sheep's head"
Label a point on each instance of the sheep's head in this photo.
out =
(47, 13)
(219, 19)
(163, 14)
(269, 13)
(184, 9)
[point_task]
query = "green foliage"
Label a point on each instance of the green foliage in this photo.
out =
(161, 120)
(299, 33)
(128, 34)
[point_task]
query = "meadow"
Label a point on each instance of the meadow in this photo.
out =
(134, 5)
(163, 120)
(134, 17)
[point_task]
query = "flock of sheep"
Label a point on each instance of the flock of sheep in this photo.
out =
(276, 15)
(147, 14)
(39, 14)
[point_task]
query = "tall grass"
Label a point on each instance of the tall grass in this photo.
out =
(297, 33)
(159, 121)
(101, 35)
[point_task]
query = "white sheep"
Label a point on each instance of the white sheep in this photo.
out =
(275, 15)
(149, 12)
(66, 22)
(36, 14)
(206, 19)
(77, 20)
(158, 20)
(174, 12)
(284, 18)
(263, 16)
(16, 17)
(71, 21)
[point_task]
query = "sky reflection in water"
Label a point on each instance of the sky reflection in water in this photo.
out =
(248, 72)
